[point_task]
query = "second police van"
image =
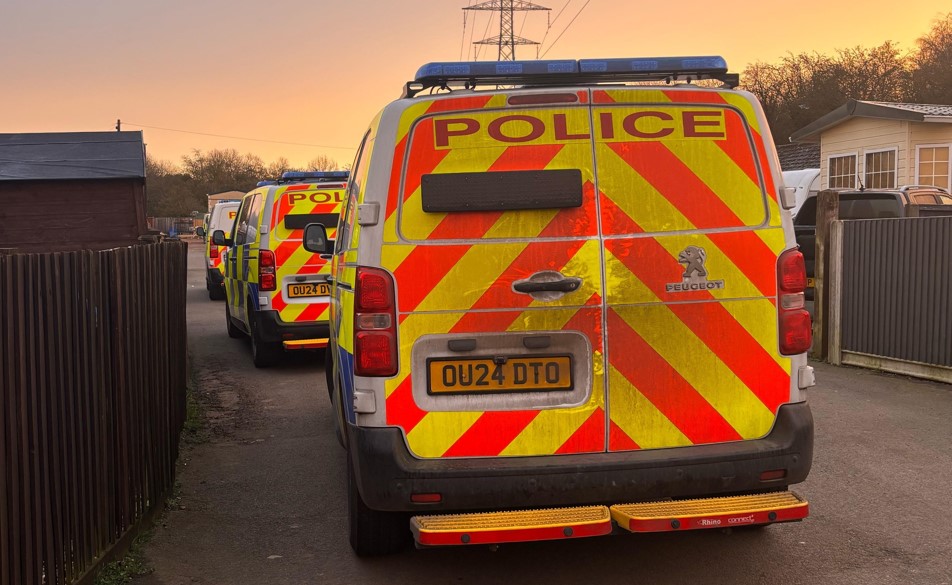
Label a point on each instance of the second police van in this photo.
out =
(567, 305)
(221, 217)
(277, 292)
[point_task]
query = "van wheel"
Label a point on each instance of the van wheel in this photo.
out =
(233, 331)
(263, 354)
(216, 293)
(373, 533)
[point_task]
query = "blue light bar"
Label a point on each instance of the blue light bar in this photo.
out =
(456, 70)
(266, 183)
(305, 175)
(565, 72)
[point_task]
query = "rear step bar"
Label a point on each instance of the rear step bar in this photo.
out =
(306, 344)
(565, 523)
(711, 512)
(522, 526)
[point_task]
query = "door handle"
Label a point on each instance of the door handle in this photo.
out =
(566, 285)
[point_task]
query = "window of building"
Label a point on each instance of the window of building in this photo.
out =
(843, 172)
(881, 169)
(932, 167)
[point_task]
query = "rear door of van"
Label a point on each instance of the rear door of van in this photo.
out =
(492, 237)
(302, 291)
(692, 236)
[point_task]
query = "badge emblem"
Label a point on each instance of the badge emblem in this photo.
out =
(695, 273)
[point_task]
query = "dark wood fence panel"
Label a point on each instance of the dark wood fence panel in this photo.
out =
(92, 401)
(895, 306)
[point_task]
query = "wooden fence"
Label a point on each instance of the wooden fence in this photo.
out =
(92, 401)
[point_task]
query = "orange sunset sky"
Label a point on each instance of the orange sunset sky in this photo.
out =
(315, 72)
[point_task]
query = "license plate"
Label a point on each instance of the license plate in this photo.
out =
(810, 283)
(506, 374)
(309, 289)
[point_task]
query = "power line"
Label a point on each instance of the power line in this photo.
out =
(552, 22)
(350, 148)
(566, 28)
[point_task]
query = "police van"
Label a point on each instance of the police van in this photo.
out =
(221, 217)
(277, 292)
(567, 301)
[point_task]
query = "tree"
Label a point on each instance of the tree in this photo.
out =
(168, 190)
(932, 72)
(805, 86)
(223, 170)
(323, 163)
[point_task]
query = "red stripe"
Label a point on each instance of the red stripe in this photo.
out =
(422, 270)
(752, 256)
(277, 302)
(474, 225)
(313, 311)
(746, 358)
(473, 322)
(600, 96)
(618, 440)
(677, 183)
(402, 410)
(664, 387)
(653, 265)
(424, 157)
(491, 433)
(589, 322)
(587, 438)
(578, 222)
(460, 103)
(396, 172)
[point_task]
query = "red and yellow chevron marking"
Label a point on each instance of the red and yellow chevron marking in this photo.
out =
(290, 256)
(684, 367)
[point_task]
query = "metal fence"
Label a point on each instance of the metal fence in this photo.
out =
(892, 295)
(92, 401)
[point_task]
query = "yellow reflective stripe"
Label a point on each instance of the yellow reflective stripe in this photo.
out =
(648, 96)
(650, 209)
(459, 284)
(775, 239)
(623, 286)
(701, 367)
(411, 329)
(438, 431)
(549, 430)
(759, 318)
(410, 116)
(585, 265)
(638, 417)
(722, 175)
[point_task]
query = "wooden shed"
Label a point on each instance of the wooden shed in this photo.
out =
(71, 190)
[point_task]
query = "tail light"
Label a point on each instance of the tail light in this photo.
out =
(796, 327)
(267, 280)
(213, 252)
(375, 324)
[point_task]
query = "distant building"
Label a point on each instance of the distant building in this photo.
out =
(225, 196)
(71, 190)
(882, 144)
(799, 156)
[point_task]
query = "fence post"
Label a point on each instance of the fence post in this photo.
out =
(835, 281)
(827, 211)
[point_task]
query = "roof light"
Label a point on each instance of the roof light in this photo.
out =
(299, 175)
(571, 72)
(266, 183)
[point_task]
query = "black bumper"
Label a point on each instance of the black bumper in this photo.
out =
(387, 474)
(273, 330)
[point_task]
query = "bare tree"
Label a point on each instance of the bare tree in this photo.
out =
(932, 74)
(323, 163)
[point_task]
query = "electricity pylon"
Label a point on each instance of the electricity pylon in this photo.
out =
(507, 39)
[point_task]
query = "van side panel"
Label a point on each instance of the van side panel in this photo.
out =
(692, 236)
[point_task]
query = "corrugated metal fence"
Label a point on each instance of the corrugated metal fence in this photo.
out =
(894, 281)
(92, 401)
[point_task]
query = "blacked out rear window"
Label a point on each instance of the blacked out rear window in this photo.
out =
(299, 221)
(502, 190)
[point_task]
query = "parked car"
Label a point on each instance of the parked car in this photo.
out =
(908, 201)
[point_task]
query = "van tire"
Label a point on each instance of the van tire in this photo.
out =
(233, 331)
(215, 293)
(373, 533)
(263, 354)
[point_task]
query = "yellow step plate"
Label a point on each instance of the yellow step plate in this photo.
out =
(306, 344)
(520, 526)
(711, 512)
